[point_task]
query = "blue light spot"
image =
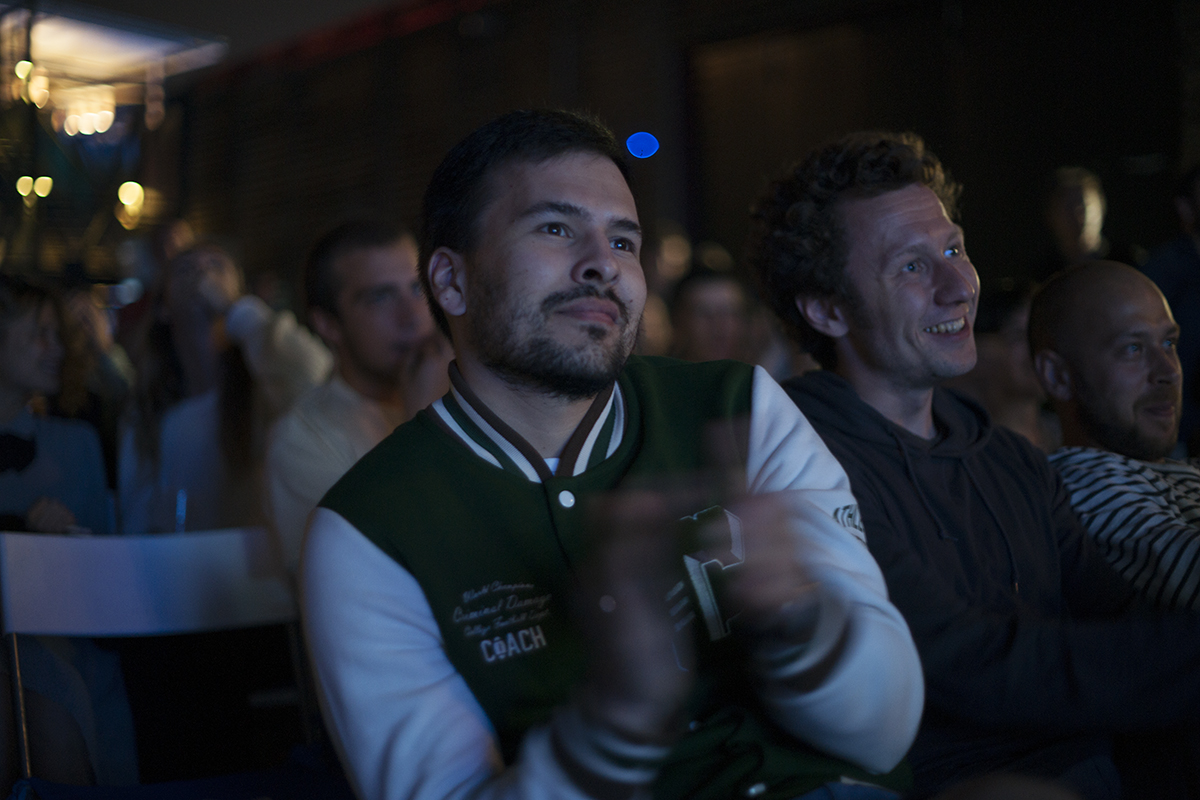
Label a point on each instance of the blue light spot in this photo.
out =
(642, 145)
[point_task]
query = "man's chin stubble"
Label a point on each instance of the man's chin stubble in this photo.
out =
(546, 366)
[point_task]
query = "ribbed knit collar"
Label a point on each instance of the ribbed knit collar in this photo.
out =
(597, 437)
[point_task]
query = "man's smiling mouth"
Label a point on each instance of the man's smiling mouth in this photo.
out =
(954, 326)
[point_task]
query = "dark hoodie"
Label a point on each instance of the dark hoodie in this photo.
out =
(1032, 656)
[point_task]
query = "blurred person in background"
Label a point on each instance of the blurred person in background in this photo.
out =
(52, 481)
(99, 379)
(1074, 213)
(1003, 380)
(1175, 268)
(364, 300)
(713, 317)
(214, 366)
(144, 261)
(710, 317)
(51, 469)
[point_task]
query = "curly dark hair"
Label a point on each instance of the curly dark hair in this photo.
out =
(798, 244)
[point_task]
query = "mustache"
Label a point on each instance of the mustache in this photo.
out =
(571, 295)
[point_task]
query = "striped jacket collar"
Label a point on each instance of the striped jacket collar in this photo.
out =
(464, 416)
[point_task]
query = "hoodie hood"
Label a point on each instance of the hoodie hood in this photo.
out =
(829, 400)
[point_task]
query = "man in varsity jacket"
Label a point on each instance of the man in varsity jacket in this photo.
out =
(1104, 341)
(526, 591)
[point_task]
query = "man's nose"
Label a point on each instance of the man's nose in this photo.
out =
(596, 262)
(957, 282)
(1166, 367)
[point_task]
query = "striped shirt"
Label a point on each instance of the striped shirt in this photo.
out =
(1145, 517)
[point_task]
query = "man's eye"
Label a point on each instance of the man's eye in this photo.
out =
(624, 244)
(1133, 348)
(380, 296)
(911, 266)
(952, 252)
(555, 229)
(1169, 344)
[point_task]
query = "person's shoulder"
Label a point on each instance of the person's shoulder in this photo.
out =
(674, 383)
(1085, 456)
(62, 429)
(406, 451)
(819, 392)
(1095, 460)
(192, 409)
(678, 369)
(304, 428)
(321, 408)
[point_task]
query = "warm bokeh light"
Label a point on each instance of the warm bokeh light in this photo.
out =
(24, 185)
(71, 124)
(87, 124)
(675, 255)
(104, 121)
(131, 193)
(39, 90)
(23, 69)
(43, 185)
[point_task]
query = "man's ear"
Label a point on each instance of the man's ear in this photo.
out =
(448, 279)
(1054, 375)
(824, 314)
(327, 327)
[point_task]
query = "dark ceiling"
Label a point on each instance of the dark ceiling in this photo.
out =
(250, 26)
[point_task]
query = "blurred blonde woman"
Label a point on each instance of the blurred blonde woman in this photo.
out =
(214, 367)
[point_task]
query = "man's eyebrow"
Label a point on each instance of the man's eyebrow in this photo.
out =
(554, 207)
(373, 288)
(627, 225)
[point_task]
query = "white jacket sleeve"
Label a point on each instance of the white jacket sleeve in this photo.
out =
(405, 723)
(867, 706)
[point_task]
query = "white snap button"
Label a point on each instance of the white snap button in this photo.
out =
(566, 499)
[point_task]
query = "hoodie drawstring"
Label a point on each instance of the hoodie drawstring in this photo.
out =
(1012, 559)
(912, 478)
(941, 529)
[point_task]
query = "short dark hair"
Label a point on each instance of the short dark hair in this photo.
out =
(798, 245)
(458, 190)
(321, 283)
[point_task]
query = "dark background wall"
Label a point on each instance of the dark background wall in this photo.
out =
(275, 149)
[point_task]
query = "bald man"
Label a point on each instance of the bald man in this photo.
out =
(1103, 341)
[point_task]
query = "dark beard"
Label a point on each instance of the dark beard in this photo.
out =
(540, 362)
(1124, 440)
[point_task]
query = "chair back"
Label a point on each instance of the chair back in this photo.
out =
(68, 585)
(95, 586)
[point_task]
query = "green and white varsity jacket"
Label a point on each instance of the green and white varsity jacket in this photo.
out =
(437, 578)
